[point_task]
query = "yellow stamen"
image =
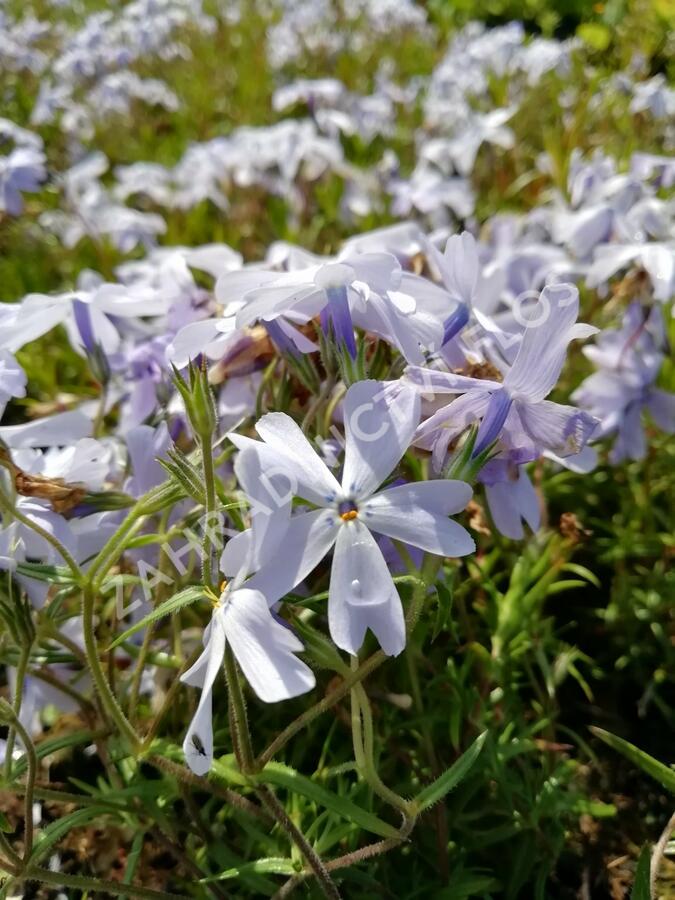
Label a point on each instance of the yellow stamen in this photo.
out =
(349, 515)
(223, 585)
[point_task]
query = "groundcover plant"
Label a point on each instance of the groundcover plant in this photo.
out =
(336, 477)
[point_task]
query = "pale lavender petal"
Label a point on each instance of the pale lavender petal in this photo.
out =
(661, 405)
(313, 479)
(563, 429)
(198, 743)
(48, 432)
(197, 338)
(542, 352)
(362, 594)
(431, 381)
(306, 541)
(659, 261)
(264, 648)
(276, 300)
(443, 496)
(453, 418)
(144, 445)
(270, 497)
(459, 266)
(397, 514)
(380, 421)
(510, 502)
(582, 462)
(630, 441)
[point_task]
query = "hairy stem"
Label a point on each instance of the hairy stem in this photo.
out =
(32, 763)
(312, 858)
(350, 859)
(210, 508)
(322, 706)
(21, 669)
(185, 776)
(247, 763)
(241, 735)
(109, 701)
(362, 733)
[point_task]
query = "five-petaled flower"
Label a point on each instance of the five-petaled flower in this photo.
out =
(380, 420)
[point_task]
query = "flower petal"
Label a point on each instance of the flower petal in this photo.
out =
(411, 514)
(549, 329)
(196, 338)
(362, 594)
(269, 493)
(459, 266)
(563, 429)
(661, 405)
(198, 743)
(264, 648)
(314, 480)
(306, 541)
(443, 496)
(431, 381)
(380, 420)
(630, 442)
(454, 418)
(511, 502)
(48, 432)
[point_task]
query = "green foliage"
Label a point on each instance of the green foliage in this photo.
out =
(641, 887)
(642, 760)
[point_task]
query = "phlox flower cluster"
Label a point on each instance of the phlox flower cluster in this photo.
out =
(362, 398)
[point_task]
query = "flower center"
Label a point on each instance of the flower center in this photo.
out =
(348, 510)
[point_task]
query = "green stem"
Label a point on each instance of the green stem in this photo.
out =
(56, 796)
(32, 764)
(322, 706)
(241, 735)
(137, 677)
(11, 853)
(372, 663)
(427, 738)
(247, 763)
(350, 859)
(268, 798)
(362, 733)
(108, 699)
(210, 507)
(330, 409)
(185, 776)
(21, 669)
(114, 548)
(315, 405)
